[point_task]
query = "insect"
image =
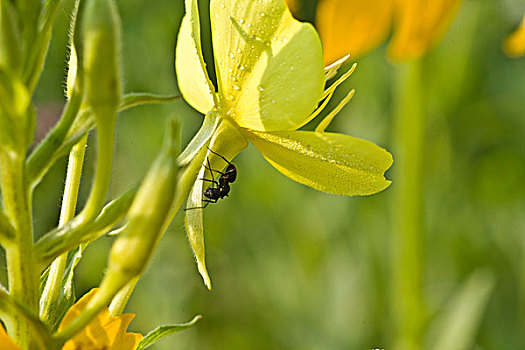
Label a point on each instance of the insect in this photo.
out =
(219, 188)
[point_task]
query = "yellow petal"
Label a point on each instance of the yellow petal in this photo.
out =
(352, 26)
(269, 66)
(6, 343)
(193, 80)
(193, 221)
(227, 142)
(418, 25)
(104, 332)
(514, 44)
(328, 162)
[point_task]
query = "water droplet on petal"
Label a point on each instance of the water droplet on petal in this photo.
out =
(230, 55)
(236, 87)
(261, 89)
(241, 20)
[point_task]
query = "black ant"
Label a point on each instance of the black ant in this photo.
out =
(219, 188)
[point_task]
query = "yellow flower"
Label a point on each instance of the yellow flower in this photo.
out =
(104, 332)
(270, 79)
(514, 44)
(360, 26)
(6, 343)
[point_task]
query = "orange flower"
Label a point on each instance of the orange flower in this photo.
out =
(357, 27)
(104, 332)
(514, 44)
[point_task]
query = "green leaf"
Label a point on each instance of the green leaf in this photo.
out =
(193, 80)
(163, 331)
(456, 326)
(269, 66)
(329, 162)
(67, 291)
(60, 240)
(142, 98)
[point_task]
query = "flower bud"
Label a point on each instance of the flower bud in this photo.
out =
(146, 219)
(101, 58)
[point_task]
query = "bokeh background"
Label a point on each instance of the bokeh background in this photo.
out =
(294, 268)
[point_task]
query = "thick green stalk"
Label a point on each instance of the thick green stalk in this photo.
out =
(22, 273)
(51, 294)
(408, 212)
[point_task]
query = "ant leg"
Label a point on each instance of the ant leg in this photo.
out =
(209, 168)
(208, 201)
(212, 181)
(217, 154)
(217, 171)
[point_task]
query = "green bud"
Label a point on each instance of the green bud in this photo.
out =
(101, 58)
(10, 43)
(74, 72)
(148, 215)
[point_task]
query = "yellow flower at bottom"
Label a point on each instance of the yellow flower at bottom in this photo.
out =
(104, 332)
(514, 44)
(6, 343)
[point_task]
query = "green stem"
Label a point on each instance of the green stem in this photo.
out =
(408, 264)
(51, 293)
(101, 183)
(40, 159)
(120, 300)
(21, 270)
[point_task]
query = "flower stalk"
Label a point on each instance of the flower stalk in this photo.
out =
(21, 271)
(408, 211)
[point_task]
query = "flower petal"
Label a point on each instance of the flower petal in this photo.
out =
(514, 44)
(329, 162)
(193, 80)
(226, 142)
(352, 26)
(6, 342)
(193, 221)
(269, 66)
(418, 25)
(104, 332)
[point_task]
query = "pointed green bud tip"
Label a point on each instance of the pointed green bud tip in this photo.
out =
(101, 36)
(149, 214)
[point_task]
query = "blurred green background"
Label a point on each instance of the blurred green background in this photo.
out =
(294, 268)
